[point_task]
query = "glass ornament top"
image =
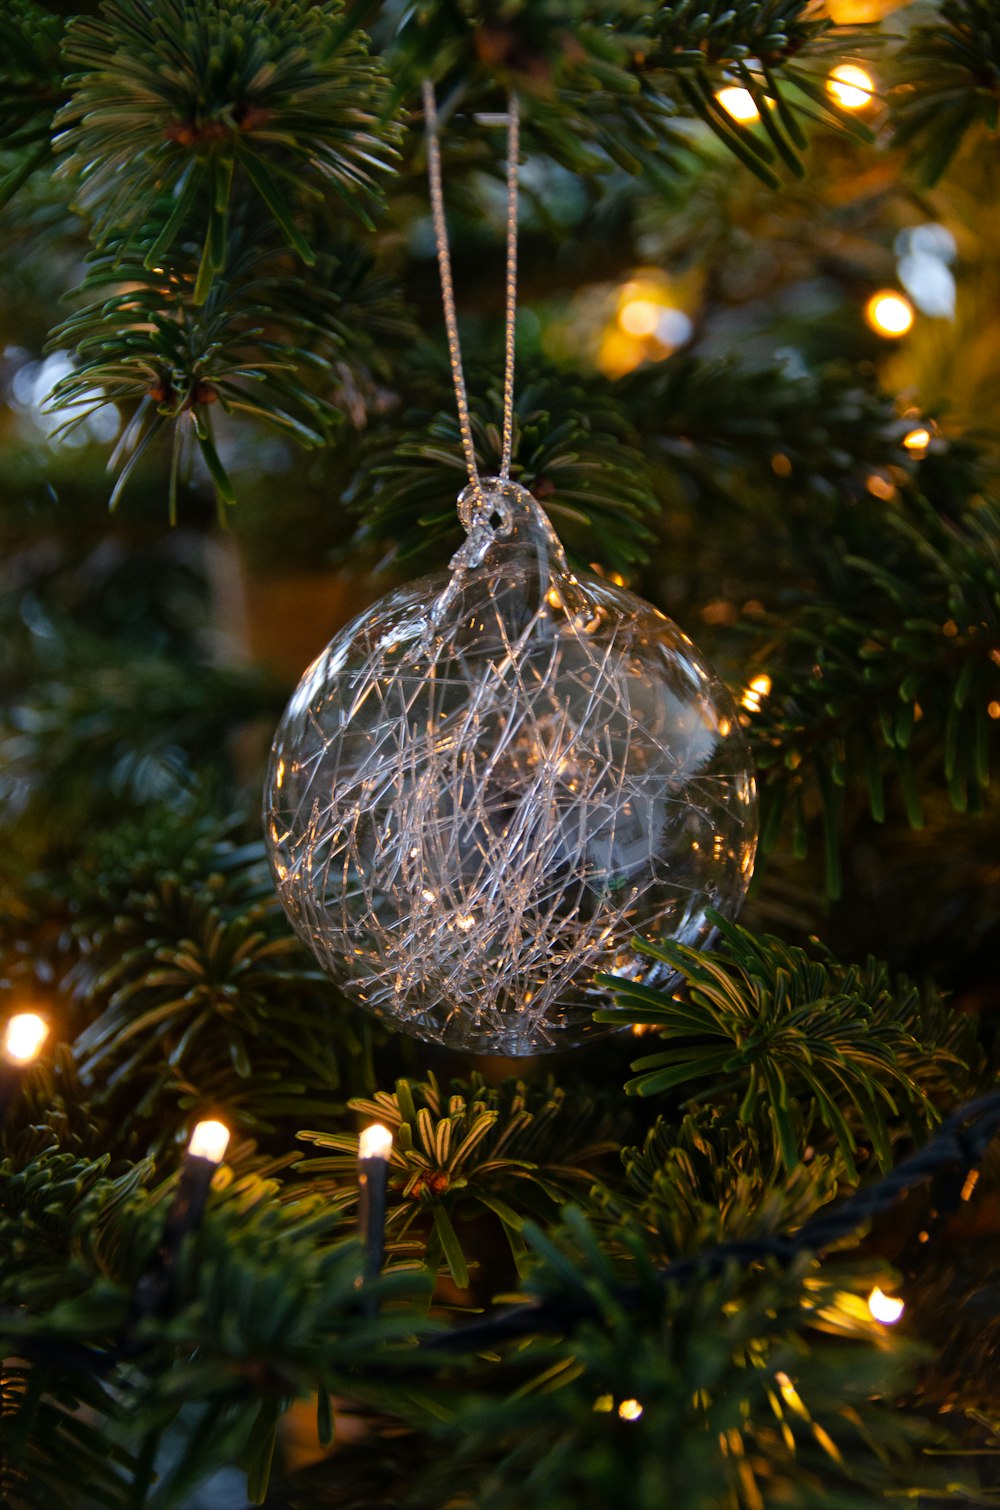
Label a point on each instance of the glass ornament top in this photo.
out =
(491, 782)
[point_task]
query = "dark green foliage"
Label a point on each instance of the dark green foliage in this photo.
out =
(948, 82)
(782, 1370)
(258, 346)
(690, 48)
(719, 424)
(242, 1337)
(714, 1176)
(229, 159)
(899, 672)
(31, 88)
(574, 450)
(199, 100)
(54, 1443)
(189, 984)
(773, 1025)
(605, 84)
(502, 1151)
(71, 736)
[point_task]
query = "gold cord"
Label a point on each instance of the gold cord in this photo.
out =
(448, 287)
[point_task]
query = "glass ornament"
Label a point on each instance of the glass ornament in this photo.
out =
(490, 782)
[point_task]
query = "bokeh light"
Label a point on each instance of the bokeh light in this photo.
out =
(889, 313)
(852, 87)
(885, 1308)
(739, 103)
(23, 1037)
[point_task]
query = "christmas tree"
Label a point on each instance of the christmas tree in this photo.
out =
(741, 1249)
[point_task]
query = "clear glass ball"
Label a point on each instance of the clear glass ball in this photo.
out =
(490, 783)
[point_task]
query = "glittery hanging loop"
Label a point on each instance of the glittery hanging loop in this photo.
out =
(448, 286)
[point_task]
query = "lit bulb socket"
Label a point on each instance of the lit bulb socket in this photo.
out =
(154, 1293)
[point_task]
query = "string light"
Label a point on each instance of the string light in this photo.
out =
(374, 1148)
(154, 1294)
(375, 1142)
(885, 1308)
(209, 1141)
(889, 313)
(853, 88)
(629, 1410)
(739, 103)
(23, 1037)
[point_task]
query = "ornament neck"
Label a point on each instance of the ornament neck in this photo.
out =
(500, 515)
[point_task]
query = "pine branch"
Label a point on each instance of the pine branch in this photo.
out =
(188, 985)
(713, 1178)
(573, 449)
(504, 1152)
(69, 748)
(768, 1024)
(785, 1367)
(31, 88)
(207, 101)
(905, 663)
(263, 1310)
(948, 84)
(260, 346)
(724, 425)
(607, 84)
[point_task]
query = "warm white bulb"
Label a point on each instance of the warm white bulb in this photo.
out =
(639, 317)
(375, 1142)
(739, 103)
(629, 1410)
(917, 440)
(209, 1141)
(885, 1308)
(850, 86)
(23, 1037)
(889, 313)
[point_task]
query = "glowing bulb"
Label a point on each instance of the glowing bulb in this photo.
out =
(629, 1410)
(993, 709)
(639, 317)
(889, 313)
(917, 440)
(850, 86)
(759, 688)
(375, 1142)
(739, 103)
(23, 1037)
(209, 1141)
(885, 1308)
